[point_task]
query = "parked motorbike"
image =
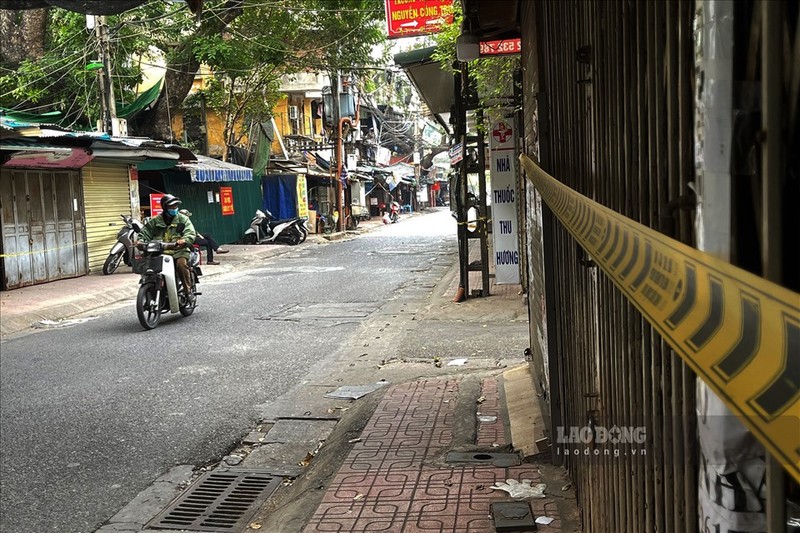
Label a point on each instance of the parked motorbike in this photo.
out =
(265, 229)
(161, 289)
(394, 213)
(122, 251)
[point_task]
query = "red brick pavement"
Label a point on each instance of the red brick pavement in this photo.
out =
(389, 481)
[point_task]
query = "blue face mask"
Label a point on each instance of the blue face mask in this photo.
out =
(172, 212)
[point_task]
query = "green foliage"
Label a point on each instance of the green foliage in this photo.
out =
(247, 49)
(492, 77)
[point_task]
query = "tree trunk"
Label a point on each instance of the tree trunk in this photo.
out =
(23, 36)
(156, 123)
(181, 70)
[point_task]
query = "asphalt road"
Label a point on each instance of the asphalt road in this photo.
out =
(91, 415)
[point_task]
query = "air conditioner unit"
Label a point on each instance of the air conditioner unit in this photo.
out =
(294, 113)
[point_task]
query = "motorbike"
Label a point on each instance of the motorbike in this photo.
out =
(122, 251)
(394, 213)
(161, 289)
(265, 229)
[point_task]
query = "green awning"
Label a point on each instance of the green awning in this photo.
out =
(53, 117)
(142, 101)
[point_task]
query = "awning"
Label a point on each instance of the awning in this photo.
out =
(434, 84)
(207, 169)
(142, 101)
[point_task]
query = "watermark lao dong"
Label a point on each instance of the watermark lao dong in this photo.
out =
(596, 441)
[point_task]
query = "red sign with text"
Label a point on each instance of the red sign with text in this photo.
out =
(409, 18)
(226, 199)
(505, 46)
(155, 204)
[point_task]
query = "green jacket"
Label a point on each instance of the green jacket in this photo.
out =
(180, 227)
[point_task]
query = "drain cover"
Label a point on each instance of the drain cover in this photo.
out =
(513, 516)
(497, 459)
(218, 501)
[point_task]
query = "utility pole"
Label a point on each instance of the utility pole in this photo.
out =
(337, 128)
(108, 103)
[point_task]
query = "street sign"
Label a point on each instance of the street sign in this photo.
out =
(410, 18)
(456, 153)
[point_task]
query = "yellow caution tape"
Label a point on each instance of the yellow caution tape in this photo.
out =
(48, 250)
(740, 333)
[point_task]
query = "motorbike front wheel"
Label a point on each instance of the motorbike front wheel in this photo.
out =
(112, 263)
(147, 308)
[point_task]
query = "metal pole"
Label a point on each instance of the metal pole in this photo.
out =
(337, 114)
(106, 83)
(772, 176)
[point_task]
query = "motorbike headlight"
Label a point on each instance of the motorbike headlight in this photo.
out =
(153, 247)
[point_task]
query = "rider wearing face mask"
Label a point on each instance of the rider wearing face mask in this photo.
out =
(172, 226)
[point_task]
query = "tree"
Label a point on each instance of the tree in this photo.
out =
(248, 45)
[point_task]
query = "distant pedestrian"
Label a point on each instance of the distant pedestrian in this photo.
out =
(207, 240)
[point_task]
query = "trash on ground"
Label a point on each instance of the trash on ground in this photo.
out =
(307, 461)
(358, 497)
(233, 460)
(487, 419)
(351, 441)
(354, 392)
(458, 362)
(544, 520)
(521, 491)
(61, 323)
(481, 399)
(255, 525)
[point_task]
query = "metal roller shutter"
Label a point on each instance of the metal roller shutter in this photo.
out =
(106, 194)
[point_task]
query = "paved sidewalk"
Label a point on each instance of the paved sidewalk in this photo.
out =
(396, 477)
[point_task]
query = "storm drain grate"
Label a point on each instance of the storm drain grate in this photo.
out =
(218, 501)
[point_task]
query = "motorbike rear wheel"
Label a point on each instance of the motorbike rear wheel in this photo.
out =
(147, 308)
(112, 263)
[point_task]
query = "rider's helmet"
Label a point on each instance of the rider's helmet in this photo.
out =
(169, 201)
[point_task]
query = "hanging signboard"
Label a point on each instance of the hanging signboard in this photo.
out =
(501, 47)
(226, 200)
(410, 18)
(504, 203)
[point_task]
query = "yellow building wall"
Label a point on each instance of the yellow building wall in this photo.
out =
(308, 124)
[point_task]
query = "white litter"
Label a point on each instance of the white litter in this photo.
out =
(544, 520)
(521, 491)
(458, 362)
(61, 323)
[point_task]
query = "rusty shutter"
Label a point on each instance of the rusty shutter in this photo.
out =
(106, 193)
(42, 227)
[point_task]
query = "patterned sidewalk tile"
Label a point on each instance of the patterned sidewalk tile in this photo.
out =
(490, 433)
(385, 485)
